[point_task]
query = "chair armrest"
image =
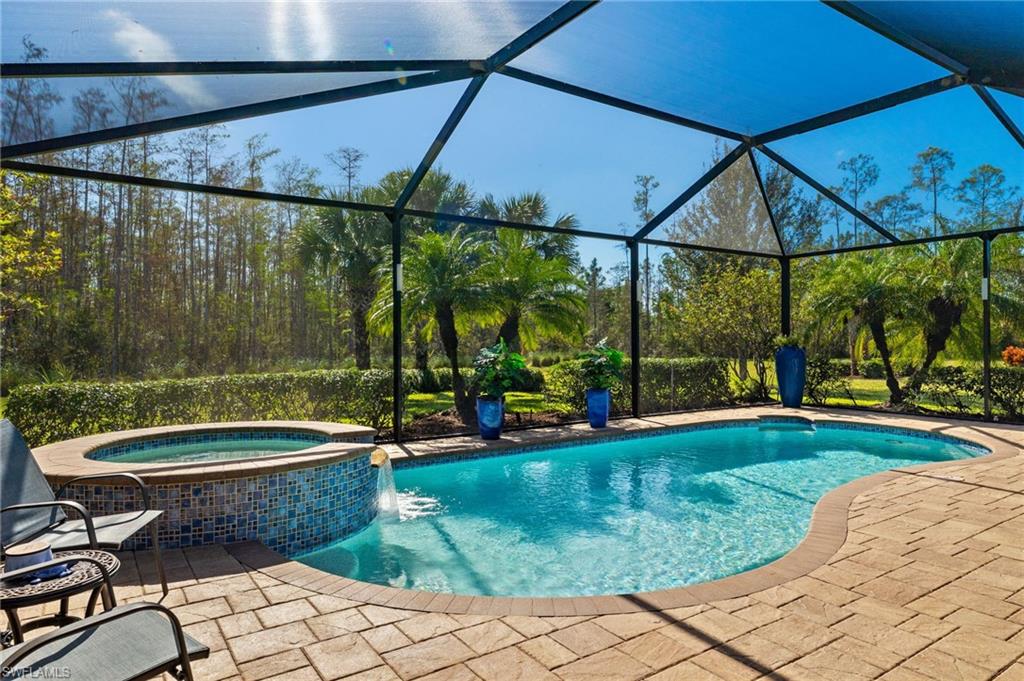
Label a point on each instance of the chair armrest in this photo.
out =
(101, 476)
(13, 574)
(10, 663)
(90, 529)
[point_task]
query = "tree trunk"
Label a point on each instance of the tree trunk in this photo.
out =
(877, 327)
(510, 331)
(851, 344)
(450, 342)
(361, 300)
(421, 348)
(945, 316)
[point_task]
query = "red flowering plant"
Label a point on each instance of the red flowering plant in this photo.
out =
(1013, 356)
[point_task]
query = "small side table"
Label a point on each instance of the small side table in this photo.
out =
(84, 576)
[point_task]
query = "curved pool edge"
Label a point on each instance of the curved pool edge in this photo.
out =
(61, 461)
(291, 501)
(825, 536)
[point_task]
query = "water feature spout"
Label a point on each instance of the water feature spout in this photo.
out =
(387, 495)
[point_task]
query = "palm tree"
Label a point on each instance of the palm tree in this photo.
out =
(438, 192)
(444, 292)
(348, 246)
(537, 296)
(946, 283)
(871, 288)
(532, 208)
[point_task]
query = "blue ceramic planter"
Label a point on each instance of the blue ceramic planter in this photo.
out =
(490, 414)
(791, 370)
(599, 402)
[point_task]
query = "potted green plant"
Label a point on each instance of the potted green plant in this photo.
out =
(495, 370)
(602, 370)
(790, 370)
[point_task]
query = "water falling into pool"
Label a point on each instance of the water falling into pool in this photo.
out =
(387, 495)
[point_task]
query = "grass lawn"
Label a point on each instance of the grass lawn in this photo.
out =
(422, 404)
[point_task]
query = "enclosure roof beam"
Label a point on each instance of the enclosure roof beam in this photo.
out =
(608, 100)
(899, 37)
(822, 189)
(764, 197)
(953, 236)
(461, 107)
(199, 68)
(474, 221)
(539, 31)
(1000, 113)
(710, 249)
(233, 113)
(692, 190)
(176, 185)
(388, 211)
(860, 109)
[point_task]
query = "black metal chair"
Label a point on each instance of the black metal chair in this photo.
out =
(125, 643)
(32, 511)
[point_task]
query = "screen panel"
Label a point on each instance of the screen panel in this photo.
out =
(744, 66)
(363, 149)
(983, 35)
(586, 159)
(945, 161)
(810, 221)
(728, 213)
(264, 30)
(707, 324)
(41, 108)
(1012, 104)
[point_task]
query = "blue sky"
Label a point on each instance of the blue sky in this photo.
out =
(585, 156)
(746, 66)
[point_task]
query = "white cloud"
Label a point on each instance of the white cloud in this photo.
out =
(143, 44)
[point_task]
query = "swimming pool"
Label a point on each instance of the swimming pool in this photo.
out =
(618, 516)
(212, 446)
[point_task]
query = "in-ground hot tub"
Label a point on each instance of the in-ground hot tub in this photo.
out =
(293, 485)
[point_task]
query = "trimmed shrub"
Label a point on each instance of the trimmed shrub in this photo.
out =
(50, 412)
(665, 384)
(1008, 391)
(872, 368)
(826, 378)
(952, 388)
(440, 380)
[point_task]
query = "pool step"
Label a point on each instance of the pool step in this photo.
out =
(785, 423)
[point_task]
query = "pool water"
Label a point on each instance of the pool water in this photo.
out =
(222, 450)
(619, 516)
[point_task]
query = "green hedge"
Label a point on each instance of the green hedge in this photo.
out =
(439, 379)
(665, 385)
(57, 411)
(1008, 391)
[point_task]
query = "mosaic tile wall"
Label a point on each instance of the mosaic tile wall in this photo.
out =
(313, 439)
(291, 511)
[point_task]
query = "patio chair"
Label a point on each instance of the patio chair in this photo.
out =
(125, 643)
(32, 511)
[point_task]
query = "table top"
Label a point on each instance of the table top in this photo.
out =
(83, 576)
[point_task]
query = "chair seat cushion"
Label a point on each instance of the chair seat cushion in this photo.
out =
(135, 646)
(111, 530)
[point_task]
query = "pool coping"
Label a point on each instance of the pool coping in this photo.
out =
(62, 461)
(825, 535)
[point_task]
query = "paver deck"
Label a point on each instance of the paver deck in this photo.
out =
(927, 583)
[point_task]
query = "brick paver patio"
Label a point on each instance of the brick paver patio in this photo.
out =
(929, 584)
